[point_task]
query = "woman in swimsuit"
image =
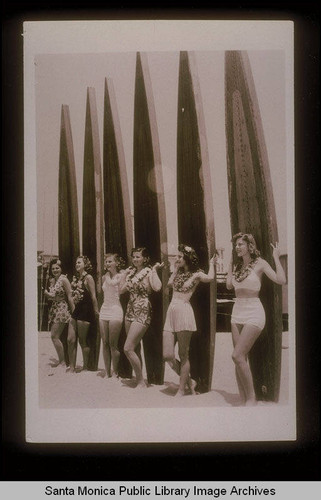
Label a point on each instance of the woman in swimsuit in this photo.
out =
(86, 308)
(60, 294)
(180, 321)
(248, 315)
(111, 312)
(139, 280)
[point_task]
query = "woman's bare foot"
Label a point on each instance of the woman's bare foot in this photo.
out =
(251, 402)
(191, 385)
(141, 384)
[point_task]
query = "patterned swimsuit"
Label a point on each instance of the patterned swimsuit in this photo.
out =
(139, 308)
(59, 311)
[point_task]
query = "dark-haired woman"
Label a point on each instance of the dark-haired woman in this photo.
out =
(59, 294)
(180, 321)
(86, 309)
(111, 312)
(248, 315)
(139, 280)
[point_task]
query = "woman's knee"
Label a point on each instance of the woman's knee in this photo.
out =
(113, 345)
(55, 335)
(168, 356)
(128, 350)
(238, 358)
(71, 340)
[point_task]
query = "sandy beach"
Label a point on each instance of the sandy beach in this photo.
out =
(59, 389)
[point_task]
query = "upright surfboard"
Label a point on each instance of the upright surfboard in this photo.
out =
(149, 210)
(93, 214)
(252, 209)
(117, 214)
(195, 213)
(68, 222)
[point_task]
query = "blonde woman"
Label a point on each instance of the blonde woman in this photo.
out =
(248, 315)
(111, 314)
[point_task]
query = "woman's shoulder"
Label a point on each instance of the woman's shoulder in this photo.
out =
(259, 265)
(88, 278)
(259, 262)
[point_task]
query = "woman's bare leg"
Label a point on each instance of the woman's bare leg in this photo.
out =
(56, 331)
(243, 345)
(236, 331)
(184, 339)
(169, 341)
(135, 332)
(72, 343)
(103, 328)
(83, 328)
(114, 332)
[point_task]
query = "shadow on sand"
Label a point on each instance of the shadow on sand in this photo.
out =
(231, 399)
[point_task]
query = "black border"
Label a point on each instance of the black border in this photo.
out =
(267, 461)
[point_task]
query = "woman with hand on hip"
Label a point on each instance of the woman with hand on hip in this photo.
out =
(248, 315)
(86, 309)
(180, 321)
(139, 280)
(111, 313)
(62, 304)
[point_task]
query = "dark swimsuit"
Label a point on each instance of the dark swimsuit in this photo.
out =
(84, 310)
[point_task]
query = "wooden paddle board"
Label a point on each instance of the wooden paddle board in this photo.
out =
(252, 209)
(149, 210)
(93, 214)
(195, 213)
(117, 213)
(68, 222)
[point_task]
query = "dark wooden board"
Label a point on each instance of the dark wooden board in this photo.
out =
(93, 214)
(117, 213)
(68, 221)
(252, 209)
(195, 213)
(149, 209)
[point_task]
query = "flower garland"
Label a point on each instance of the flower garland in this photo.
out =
(180, 281)
(242, 273)
(56, 287)
(77, 290)
(136, 277)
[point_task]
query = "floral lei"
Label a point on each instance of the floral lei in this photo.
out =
(180, 282)
(55, 287)
(241, 274)
(136, 277)
(77, 290)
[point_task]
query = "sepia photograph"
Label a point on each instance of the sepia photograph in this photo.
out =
(159, 231)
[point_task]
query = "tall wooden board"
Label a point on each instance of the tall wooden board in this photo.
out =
(117, 214)
(252, 209)
(93, 215)
(195, 213)
(149, 209)
(68, 222)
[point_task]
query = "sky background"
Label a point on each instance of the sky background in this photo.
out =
(64, 78)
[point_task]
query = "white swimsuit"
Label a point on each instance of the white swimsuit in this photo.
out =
(180, 315)
(248, 310)
(111, 308)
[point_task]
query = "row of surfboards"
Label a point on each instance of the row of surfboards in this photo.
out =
(106, 198)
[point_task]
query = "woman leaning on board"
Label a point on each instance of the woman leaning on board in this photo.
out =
(248, 315)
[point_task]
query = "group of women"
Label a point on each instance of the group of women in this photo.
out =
(75, 303)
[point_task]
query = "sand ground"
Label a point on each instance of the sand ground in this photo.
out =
(61, 390)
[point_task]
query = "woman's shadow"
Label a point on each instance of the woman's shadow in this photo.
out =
(231, 399)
